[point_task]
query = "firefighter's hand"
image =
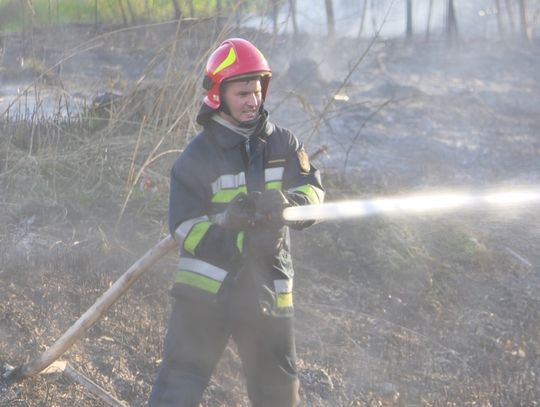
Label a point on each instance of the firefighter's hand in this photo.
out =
(239, 214)
(269, 206)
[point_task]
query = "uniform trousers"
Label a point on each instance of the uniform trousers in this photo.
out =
(198, 331)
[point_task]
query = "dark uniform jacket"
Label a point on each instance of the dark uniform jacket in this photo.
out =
(216, 166)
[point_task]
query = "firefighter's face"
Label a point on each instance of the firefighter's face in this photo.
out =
(244, 99)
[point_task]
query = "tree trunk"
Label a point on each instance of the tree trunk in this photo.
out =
(363, 19)
(373, 16)
(219, 15)
(238, 13)
(330, 17)
(499, 18)
(24, 33)
(451, 22)
(123, 12)
(132, 12)
(524, 20)
(275, 13)
(147, 11)
(428, 25)
(177, 10)
(292, 5)
(96, 15)
(409, 31)
(219, 8)
(191, 8)
(510, 16)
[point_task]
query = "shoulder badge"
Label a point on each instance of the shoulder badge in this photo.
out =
(303, 160)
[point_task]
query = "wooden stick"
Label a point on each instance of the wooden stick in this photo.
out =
(92, 387)
(62, 366)
(94, 313)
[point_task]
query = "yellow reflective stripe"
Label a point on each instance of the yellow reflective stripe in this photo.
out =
(240, 241)
(315, 195)
(195, 236)
(184, 228)
(197, 280)
(231, 58)
(284, 297)
(284, 300)
(227, 195)
(274, 185)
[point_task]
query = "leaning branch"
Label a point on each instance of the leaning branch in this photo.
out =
(93, 314)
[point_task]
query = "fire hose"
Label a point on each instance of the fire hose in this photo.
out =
(416, 204)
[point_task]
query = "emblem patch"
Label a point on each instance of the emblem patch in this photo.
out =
(304, 160)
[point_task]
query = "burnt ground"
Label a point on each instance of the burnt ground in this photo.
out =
(430, 310)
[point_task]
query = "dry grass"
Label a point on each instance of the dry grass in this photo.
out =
(112, 151)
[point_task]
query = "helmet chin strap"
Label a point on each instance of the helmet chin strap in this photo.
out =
(224, 107)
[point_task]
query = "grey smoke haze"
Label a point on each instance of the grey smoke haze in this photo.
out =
(475, 17)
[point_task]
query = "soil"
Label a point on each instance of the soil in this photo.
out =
(429, 310)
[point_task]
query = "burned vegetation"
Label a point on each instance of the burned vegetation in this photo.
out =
(427, 310)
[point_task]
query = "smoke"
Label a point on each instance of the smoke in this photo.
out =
(475, 18)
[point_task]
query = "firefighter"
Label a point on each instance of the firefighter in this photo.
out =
(235, 277)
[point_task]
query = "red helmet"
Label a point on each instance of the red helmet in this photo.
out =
(235, 57)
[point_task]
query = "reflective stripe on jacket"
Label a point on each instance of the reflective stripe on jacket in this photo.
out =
(216, 166)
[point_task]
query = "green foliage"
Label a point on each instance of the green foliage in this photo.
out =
(63, 11)
(15, 14)
(68, 11)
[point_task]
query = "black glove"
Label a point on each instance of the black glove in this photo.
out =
(263, 242)
(239, 215)
(269, 206)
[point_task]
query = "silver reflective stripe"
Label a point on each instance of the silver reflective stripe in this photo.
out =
(183, 229)
(283, 286)
(229, 181)
(202, 267)
(273, 174)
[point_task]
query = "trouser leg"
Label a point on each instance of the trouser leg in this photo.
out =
(195, 339)
(267, 349)
(175, 388)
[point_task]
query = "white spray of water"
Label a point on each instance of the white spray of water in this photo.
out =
(417, 204)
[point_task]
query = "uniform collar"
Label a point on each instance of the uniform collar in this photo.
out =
(225, 137)
(228, 138)
(244, 131)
